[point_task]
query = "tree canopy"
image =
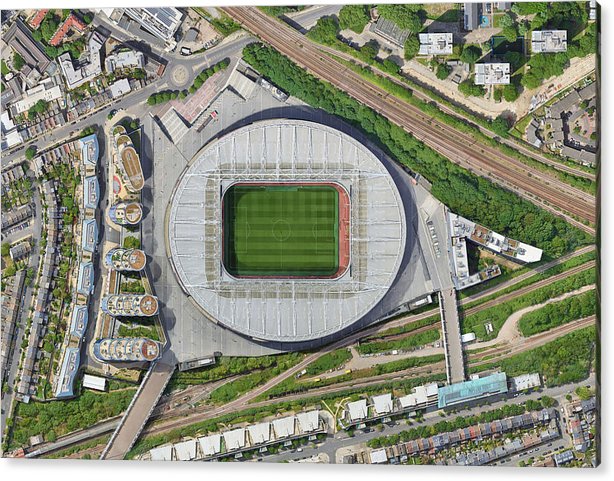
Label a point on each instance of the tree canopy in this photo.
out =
(354, 17)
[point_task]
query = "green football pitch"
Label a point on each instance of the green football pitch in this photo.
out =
(281, 230)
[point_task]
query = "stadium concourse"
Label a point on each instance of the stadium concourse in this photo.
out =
(267, 266)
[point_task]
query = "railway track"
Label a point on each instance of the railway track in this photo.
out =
(550, 193)
(450, 111)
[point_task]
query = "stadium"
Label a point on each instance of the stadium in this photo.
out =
(289, 231)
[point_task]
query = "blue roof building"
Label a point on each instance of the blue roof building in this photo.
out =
(89, 150)
(91, 192)
(471, 390)
(78, 321)
(89, 235)
(85, 281)
(70, 367)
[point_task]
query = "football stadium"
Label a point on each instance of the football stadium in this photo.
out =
(287, 231)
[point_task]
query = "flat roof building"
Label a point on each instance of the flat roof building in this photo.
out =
(308, 421)
(472, 16)
(94, 382)
(357, 410)
(284, 427)
(70, 367)
(87, 67)
(259, 433)
(85, 280)
(525, 381)
(78, 321)
(548, 41)
(186, 451)
(467, 391)
(163, 453)
(390, 31)
(382, 404)
(89, 150)
(210, 445)
(43, 91)
(124, 60)
(234, 439)
(161, 22)
(119, 88)
(492, 73)
(435, 43)
(89, 235)
(91, 192)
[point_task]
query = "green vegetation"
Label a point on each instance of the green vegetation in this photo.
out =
(253, 415)
(4, 68)
(354, 17)
(233, 389)
(225, 367)
(565, 360)
(64, 453)
(294, 386)
(471, 54)
(18, 61)
(277, 11)
(584, 393)
(329, 361)
(443, 71)
(407, 16)
(139, 331)
(325, 30)
(412, 326)
(281, 230)
(38, 108)
(30, 152)
(167, 95)
(558, 313)
(61, 417)
(497, 315)
(460, 422)
(404, 344)
(411, 47)
(469, 89)
(131, 242)
(472, 197)
(6, 248)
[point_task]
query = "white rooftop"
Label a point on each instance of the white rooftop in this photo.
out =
(284, 427)
(378, 456)
(186, 451)
(357, 409)
(234, 439)
(260, 433)
(308, 421)
(164, 453)
(492, 73)
(435, 44)
(94, 382)
(210, 445)
(383, 403)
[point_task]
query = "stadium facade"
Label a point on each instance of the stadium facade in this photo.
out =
(291, 309)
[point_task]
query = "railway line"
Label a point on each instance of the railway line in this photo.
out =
(450, 111)
(548, 192)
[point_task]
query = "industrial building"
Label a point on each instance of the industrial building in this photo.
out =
(492, 73)
(128, 305)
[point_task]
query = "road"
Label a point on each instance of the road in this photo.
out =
(534, 185)
(309, 17)
(333, 444)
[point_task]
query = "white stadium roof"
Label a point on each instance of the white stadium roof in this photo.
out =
(294, 310)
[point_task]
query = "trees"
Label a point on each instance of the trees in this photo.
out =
(442, 71)
(370, 49)
(411, 47)
(6, 248)
(510, 92)
(469, 88)
(131, 243)
(30, 152)
(18, 61)
(471, 196)
(500, 126)
(471, 54)
(354, 17)
(406, 16)
(325, 30)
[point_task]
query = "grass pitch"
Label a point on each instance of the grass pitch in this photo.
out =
(285, 230)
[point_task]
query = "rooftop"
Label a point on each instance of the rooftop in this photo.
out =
(492, 73)
(471, 390)
(548, 41)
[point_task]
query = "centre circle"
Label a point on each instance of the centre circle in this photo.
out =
(281, 230)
